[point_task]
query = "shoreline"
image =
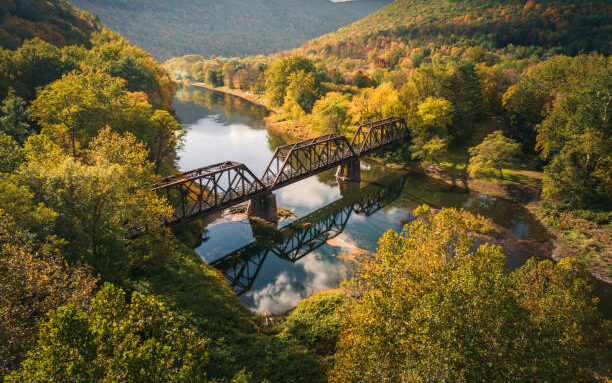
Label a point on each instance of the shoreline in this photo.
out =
(527, 196)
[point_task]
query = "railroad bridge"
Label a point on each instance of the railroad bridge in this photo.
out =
(199, 192)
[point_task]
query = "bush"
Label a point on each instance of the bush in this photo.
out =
(316, 323)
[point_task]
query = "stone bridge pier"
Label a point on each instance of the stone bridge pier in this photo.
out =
(264, 207)
(349, 171)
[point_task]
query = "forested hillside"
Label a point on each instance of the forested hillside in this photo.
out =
(56, 22)
(225, 28)
(408, 32)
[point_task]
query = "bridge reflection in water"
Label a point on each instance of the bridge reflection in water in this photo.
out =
(307, 234)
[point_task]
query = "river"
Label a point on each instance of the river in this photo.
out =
(272, 269)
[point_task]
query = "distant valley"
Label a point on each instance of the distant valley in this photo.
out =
(225, 28)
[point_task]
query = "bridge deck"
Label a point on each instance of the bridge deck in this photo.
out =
(212, 188)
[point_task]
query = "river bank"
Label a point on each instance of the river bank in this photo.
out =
(522, 186)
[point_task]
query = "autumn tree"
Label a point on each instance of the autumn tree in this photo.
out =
(10, 153)
(228, 72)
(165, 137)
(330, 113)
(31, 286)
(139, 340)
(436, 304)
(372, 104)
(277, 77)
(492, 154)
(430, 136)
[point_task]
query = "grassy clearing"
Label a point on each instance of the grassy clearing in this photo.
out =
(455, 161)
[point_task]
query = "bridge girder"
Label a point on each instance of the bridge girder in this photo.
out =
(216, 187)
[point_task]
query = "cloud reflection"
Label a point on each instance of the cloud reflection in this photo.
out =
(313, 273)
(307, 194)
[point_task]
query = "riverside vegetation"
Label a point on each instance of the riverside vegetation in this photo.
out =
(531, 73)
(86, 126)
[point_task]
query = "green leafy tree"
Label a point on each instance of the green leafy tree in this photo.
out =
(33, 217)
(528, 103)
(330, 113)
(430, 137)
(577, 140)
(78, 105)
(301, 91)
(434, 304)
(14, 117)
(38, 63)
(277, 77)
(114, 340)
(492, 154)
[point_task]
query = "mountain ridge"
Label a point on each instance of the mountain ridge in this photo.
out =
(229, 28)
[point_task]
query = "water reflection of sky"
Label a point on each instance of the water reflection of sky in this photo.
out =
(208, 142)
(280, 284)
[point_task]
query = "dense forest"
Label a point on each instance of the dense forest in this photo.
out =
(94, 288)
(225, 28)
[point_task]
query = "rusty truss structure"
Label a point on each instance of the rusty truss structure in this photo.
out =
(209, 189)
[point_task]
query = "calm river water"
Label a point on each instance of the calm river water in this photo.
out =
(273, 269)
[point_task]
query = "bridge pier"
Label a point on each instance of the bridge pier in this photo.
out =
(263, 207)
(349, 171)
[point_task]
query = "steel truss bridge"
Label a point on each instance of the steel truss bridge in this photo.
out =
(301, 237)
(209, 189)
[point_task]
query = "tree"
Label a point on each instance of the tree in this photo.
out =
(330, 113)
(32, 285)
(103, 200)
(527, 103)
(165, 136)
(10, 154)
(277, 77)
(228, 74)
(430, 137)
(373, 104)
(14, 117)
(38, 63)
(136, 341)
(78, 105)
(301, 91)
(33, 217)
(493, 153)
(577, 139)
(435, 304)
